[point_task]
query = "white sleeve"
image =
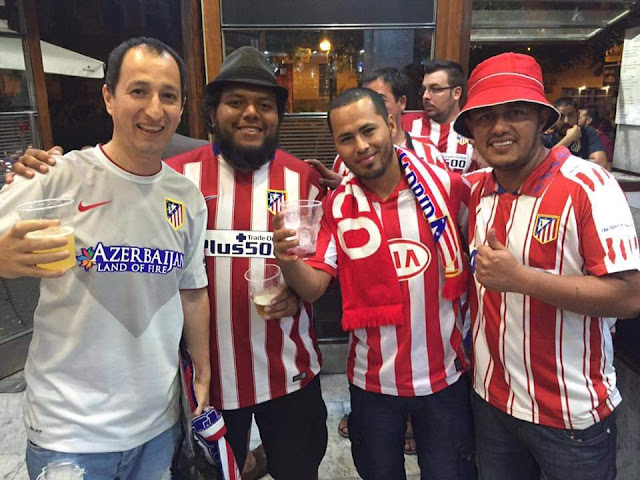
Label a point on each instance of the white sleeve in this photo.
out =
(194, 274)
(22, 190)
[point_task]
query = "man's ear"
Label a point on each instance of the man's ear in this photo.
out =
(107, 96)
(457, 93)
(403, 102)
(392, 125)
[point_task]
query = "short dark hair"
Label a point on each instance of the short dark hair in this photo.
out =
(114, 63)
(353, 95)
(212, 100)
(565, 102)
(455, 73)
(397, 80)
(592, 112)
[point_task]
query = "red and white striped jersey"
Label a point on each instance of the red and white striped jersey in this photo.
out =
(425, 354)
(424, 149)
(532, 360)
(456, 149)
(252, 359)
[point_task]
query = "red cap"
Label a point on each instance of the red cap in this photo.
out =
(505, 78)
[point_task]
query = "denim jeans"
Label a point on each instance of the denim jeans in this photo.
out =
(512, 449)
(442, 427)
(149, 461)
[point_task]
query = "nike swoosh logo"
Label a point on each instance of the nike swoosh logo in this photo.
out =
(210, 197)
(84, 208)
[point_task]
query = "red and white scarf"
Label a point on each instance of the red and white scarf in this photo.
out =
(371, 294)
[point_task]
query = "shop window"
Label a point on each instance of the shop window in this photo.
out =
(316, 65)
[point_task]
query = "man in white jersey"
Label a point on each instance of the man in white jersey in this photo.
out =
(102, 371)
(262, 368)
(555, 253)
(390, 233)
(442, 90)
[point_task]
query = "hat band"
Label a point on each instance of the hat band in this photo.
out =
(525, 78)
(241, 73)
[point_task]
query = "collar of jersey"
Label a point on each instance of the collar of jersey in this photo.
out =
(538, 181)
(132, 177)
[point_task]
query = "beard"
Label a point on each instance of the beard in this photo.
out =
(244, 158)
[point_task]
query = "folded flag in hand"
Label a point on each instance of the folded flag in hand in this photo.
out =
(208, 428)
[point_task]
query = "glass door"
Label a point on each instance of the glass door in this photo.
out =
(19, 129)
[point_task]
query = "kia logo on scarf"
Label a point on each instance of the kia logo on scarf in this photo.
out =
(409, 257)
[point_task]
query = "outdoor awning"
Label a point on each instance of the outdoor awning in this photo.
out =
(55, 59)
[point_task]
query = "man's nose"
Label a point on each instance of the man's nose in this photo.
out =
(250, 110)
(154, 108)
(361, 144)
(500, 124)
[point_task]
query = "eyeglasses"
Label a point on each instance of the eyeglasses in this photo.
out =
(434, 90)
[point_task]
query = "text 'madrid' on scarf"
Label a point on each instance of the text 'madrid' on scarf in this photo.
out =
(371, 294)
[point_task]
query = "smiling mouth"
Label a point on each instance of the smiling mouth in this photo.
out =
(250, 129)
(501, 143)
(150, 128)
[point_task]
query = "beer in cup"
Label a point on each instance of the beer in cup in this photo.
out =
(303, 216)
(265, 284)
(52, 209)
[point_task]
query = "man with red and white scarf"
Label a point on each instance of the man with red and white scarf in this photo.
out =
(389, 232)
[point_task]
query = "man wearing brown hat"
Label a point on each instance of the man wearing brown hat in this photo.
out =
(554, 252)
(262, 368)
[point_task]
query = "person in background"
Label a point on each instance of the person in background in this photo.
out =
(554, 252)
(582, 141)
(589, 117)
(102, 372)
(442, 91)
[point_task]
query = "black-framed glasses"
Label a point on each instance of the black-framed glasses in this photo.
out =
(434, 90)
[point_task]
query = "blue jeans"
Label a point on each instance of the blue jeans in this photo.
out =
(512, 449)
(149, 461)
(442, 427)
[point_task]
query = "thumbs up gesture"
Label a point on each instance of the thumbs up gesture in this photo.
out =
(496, 269)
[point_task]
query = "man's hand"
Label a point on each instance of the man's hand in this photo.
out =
(34, 160)
(496, 268)
(17, 257)
(328, 178)
(201, 389)
(285, 304)
(281, 245)
(573, 135)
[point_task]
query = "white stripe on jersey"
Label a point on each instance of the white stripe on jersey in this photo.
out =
(257, 325)
(193, 171)
(223, 270)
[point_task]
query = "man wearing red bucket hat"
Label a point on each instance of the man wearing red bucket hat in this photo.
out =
(554, 251)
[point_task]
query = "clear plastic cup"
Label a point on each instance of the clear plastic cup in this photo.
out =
(265, 283)
(52, 209)
(303, 216)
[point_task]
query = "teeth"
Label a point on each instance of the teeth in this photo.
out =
(250, 129)
(150, 128)
(502, 144)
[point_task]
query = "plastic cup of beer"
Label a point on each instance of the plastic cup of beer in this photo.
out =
(304, 217)
(52, 209)
(265, 283)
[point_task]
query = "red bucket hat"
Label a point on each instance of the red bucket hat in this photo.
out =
(505, 78)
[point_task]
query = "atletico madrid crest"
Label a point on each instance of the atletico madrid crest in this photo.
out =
(275, 200)
(462, 140)
(174, 213)
(546, 228)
